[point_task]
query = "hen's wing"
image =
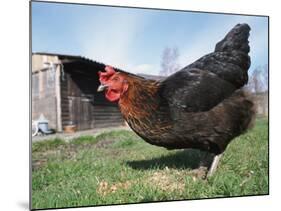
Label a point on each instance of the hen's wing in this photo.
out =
(206, 82)
(194, 90)
(230, 60)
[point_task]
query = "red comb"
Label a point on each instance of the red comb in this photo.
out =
(109, 70)
(104, 76)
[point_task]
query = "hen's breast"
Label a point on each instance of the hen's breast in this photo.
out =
(154, 127)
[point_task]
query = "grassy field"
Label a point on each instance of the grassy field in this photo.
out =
(118, 167)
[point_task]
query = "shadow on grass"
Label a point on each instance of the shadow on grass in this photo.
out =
(184, 159)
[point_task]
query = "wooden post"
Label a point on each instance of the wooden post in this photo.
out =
(58, 97)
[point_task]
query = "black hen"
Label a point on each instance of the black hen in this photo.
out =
(201, 106)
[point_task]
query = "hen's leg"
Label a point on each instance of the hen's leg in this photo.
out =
(214, 165)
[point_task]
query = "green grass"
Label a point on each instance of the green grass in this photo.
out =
(118, 167)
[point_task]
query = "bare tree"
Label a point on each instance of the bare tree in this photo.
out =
(264, 77)
(258, 79)
(169, 62)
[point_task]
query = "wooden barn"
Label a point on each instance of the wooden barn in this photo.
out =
(64, 90)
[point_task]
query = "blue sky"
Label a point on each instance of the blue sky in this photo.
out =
(134, 39)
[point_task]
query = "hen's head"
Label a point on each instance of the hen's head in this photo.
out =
(114, 83)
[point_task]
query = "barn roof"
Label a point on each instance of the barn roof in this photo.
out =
(65, 59)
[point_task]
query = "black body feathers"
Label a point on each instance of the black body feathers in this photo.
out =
(201, 106)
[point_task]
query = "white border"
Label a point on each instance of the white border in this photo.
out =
(14, 116)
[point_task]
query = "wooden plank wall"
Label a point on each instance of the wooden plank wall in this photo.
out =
(46, 106)
(43, 97)
(106, 116)
(65, 112)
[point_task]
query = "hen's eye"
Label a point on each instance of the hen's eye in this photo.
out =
(115, 79)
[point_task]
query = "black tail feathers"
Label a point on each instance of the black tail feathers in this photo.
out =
(236, 39)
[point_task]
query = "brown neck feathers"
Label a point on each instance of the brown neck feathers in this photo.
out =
(140, 99)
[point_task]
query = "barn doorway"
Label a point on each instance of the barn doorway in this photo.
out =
(81, 89)
(81, 112)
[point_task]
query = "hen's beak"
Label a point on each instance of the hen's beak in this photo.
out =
(102, 87)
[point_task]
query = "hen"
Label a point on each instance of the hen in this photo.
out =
(202, 106)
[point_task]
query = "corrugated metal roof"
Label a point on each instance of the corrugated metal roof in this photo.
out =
(65, 58)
